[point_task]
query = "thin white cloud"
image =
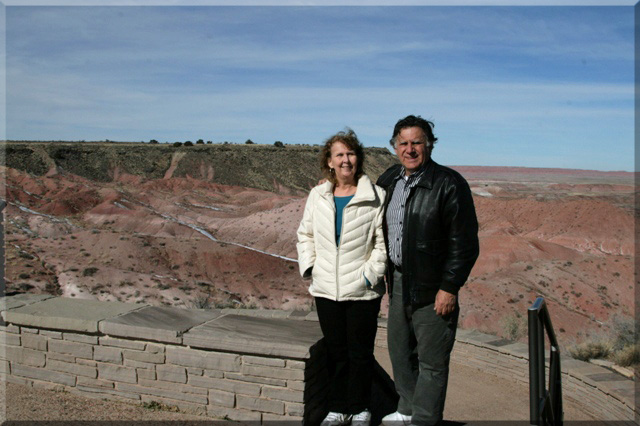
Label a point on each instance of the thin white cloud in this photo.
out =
(177, 73)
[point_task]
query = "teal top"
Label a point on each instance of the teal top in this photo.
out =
(340, 203)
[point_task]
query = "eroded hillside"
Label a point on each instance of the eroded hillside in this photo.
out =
(161, 225)
(287, 169)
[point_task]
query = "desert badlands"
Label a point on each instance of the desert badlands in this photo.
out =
(215, 226)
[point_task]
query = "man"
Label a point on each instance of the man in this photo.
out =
(432, 240)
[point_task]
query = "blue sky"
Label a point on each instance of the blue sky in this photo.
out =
(505, 86)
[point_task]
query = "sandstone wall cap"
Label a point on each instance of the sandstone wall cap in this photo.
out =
(18, 300)
(159, 323)
(254, 335)
(263, 313)
(63, 313)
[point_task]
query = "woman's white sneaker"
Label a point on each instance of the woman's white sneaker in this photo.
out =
(361, 419)
(336, 419)
(396, 419)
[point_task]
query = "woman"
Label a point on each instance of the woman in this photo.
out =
(341, 249)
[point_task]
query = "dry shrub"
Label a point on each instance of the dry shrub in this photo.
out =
(201, 302)
(514, 326)
(621, 346)
(625, 331)
(628, 356)
(593, 349)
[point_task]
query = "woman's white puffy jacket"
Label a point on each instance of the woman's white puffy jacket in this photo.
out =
(339, 271)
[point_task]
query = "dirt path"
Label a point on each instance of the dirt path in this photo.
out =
(25, 403)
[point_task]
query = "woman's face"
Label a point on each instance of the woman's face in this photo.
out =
(344, 161)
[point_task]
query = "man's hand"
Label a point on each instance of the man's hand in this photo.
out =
(445, 303)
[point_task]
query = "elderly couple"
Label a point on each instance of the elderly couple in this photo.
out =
(416, 229)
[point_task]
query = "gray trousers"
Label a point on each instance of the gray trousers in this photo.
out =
(420, 344)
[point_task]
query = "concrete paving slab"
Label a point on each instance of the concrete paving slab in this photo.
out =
(18, 300)
(516, 348)
(606, 377)
(475, 337)
(263, 313)
(570, 363)
(299, 315)
(582, 369)
(262, 336)
(312, 316)
(63, 313)
(159, 323)
(499, 342)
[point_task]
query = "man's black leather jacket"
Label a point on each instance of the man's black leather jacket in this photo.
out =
(440, 235)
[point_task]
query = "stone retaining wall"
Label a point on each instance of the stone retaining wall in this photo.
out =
(266, 379)
(220, 384)
(241, 365)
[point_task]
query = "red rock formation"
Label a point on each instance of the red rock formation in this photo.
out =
(172, 240)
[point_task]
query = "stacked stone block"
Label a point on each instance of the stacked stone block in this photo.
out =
(226, 384)
(222, 385)
(220, 364)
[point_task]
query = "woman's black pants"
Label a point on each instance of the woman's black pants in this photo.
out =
(349, 330)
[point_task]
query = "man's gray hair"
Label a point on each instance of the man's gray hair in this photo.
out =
(415, 121)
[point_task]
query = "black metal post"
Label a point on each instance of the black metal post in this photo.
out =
(545, 406)
(534, 383)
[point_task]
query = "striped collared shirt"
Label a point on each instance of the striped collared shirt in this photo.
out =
(395, 211)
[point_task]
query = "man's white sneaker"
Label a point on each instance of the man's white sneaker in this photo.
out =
(396, 419)
(361, 419)
(336, 419)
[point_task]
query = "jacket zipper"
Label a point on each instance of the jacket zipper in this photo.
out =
(338, 247)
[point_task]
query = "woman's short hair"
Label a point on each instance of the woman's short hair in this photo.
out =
(350, 140)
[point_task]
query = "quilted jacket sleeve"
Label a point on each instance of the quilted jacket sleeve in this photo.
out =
(376, 265)
(306, 239)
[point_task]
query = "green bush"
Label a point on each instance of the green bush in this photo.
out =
(89, 272)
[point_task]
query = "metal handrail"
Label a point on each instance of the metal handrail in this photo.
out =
(545, 405)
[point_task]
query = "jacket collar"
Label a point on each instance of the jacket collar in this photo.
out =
(391, 175)
(364, 190)
(427, 177)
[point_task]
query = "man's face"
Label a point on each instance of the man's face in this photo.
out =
(411, 148)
